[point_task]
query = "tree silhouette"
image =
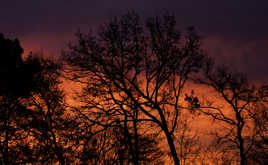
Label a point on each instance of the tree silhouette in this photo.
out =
(15, 87)
(132, 82)
(129, 68)
(34, 128)
(10, 53)
(236, 108)
(17, 76)
(259, 152)
(49, 129)
(188, 141)
(121, 142)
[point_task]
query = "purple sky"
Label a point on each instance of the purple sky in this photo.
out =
(234, 31)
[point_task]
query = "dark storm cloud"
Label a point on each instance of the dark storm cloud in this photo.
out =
(234, 24)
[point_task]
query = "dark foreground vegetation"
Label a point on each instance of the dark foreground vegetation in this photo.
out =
(132, 103)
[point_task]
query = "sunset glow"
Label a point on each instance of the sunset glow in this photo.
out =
(134, 82)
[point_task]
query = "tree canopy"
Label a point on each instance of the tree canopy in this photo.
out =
(131, 101)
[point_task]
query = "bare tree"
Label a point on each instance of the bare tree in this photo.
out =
(187, 141)
(50, 127)
(259, 152)
(116, 139)
(130, 68)
(234, 108)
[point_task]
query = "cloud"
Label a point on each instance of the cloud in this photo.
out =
(249, 56)
(235, 31)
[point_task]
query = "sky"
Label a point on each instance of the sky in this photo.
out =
(234, 32)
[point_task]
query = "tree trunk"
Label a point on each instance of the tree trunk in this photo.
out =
(132, 149)
(136, 137)
(172, 147)
(241, 148)
(240, 126)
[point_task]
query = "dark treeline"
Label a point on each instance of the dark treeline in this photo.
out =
(132, 103)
